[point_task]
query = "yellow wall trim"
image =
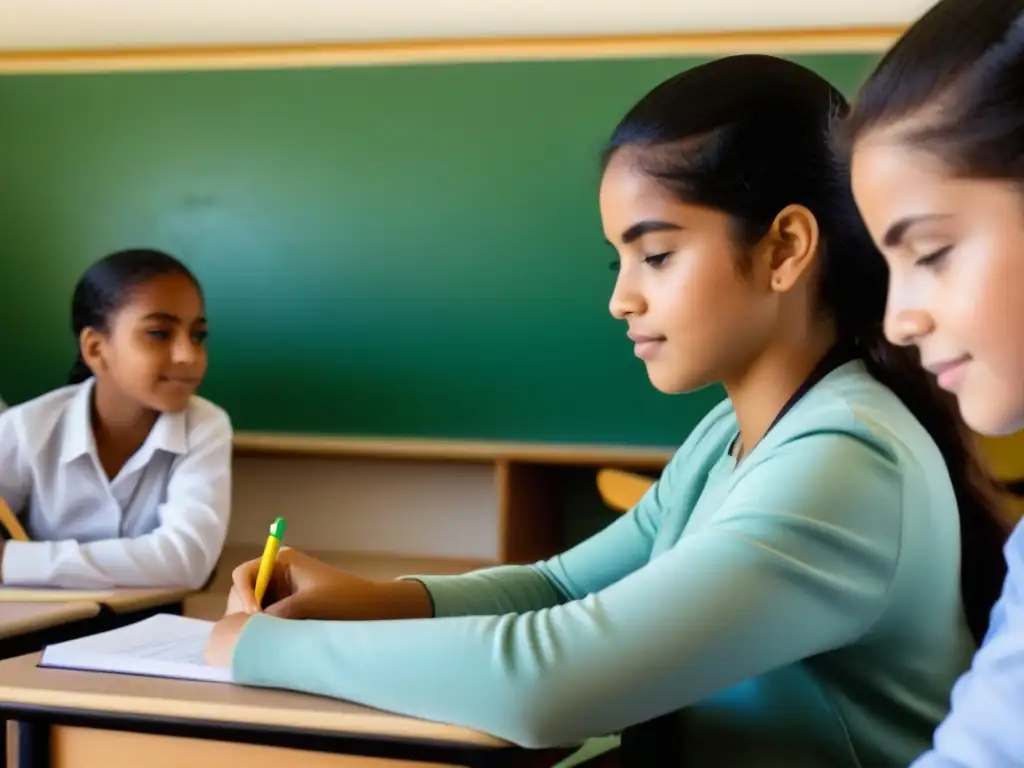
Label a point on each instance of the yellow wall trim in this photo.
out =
(862, 39)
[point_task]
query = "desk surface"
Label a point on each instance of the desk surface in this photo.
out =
(23, 683)
(23, 617)
(118, 600)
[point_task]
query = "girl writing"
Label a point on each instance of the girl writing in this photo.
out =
(788, 593)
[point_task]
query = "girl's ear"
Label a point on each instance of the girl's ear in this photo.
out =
(93, 347)
(790, 247)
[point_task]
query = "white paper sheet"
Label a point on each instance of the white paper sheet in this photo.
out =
(160, 646)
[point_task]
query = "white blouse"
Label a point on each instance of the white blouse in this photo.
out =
(161, 522)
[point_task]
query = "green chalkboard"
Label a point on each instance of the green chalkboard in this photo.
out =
(402, 250)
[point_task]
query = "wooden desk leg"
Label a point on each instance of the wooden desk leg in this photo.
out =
(34, 745)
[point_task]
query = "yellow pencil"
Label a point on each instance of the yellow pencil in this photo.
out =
(269, 558)
(10, 522)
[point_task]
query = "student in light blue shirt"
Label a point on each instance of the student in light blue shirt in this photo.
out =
(938, 171)
(789, 592)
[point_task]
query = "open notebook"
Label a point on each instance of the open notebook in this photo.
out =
(160, 646)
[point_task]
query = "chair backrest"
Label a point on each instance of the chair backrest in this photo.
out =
(1005, 459)
(621, 490)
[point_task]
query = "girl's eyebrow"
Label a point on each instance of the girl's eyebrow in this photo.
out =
(168, 317)
(642, 228)
(895, 234)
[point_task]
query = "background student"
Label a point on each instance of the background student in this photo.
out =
(122, 477)
(792, 580)
(938, 173)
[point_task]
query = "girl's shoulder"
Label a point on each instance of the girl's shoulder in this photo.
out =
(709, 438)
(851, 404)
(42, 413)
(44, 425)
(205, 421)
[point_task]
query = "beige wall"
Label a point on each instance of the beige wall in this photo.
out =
(103, 23)
(432, 509)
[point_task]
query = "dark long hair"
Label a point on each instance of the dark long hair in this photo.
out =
(749, 135)
(107, 286)
(959, 68)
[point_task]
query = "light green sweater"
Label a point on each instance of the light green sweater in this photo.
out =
(802, 606)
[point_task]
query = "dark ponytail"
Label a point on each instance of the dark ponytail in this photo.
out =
(749, 135)
(107, 286)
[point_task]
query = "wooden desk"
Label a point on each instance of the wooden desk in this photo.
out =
(115, 607)
(84, 719)
(120, 601)
(26, 626)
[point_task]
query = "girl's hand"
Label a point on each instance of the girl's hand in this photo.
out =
(221, 645)
(302, 587)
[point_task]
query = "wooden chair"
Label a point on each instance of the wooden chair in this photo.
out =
(621, 490)
(1005, 459)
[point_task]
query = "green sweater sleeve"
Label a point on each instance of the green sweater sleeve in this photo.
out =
(796, 561)
(596, 563)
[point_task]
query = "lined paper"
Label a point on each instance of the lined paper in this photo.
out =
(160, 646)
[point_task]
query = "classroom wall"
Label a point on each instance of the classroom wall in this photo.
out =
(103, 23)
(441, 510)
(427, 509)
